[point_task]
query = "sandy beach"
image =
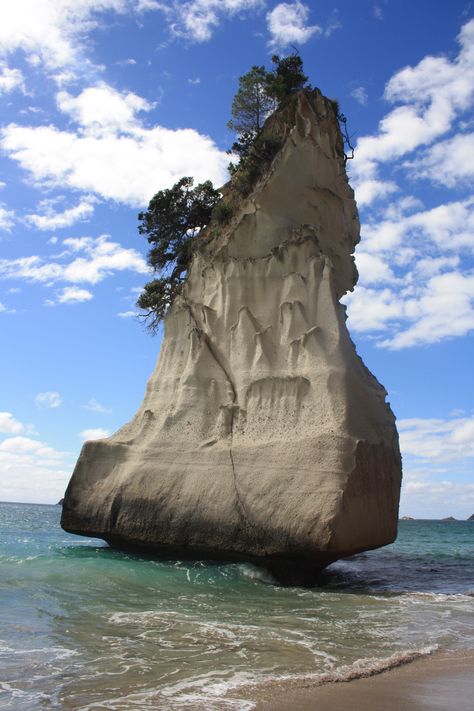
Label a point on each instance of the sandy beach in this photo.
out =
(442, 681)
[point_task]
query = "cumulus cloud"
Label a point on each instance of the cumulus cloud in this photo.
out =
(427, 497)
(447, 163)
(49, 219)
(444, 310)
(53, 32)
(32, 471)
(438, 455)
(85, 260)
(196, 20)
(287, 24)
(110, 143)
(11, 79)
(368, 191)
(431, 95)
(373, 269)
(101, 108)
(74, 295)
(428, 297)
(49, 398)
(10, 425)
(441, 308)
(438, 440)
(97, 433)
(447, 227)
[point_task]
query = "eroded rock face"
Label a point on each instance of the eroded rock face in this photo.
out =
(261, 434)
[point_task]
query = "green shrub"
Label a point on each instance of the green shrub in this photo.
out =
(222, 212)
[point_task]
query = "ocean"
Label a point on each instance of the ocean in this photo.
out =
(83, 626)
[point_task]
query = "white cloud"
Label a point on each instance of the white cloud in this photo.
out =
(85, 260)
(97, 433)
(368, 191)
(437, 440)
(432, 93)
(440, 308)
(373, 269)
(447, 227)
(399, 206)
(48, 219)
(446, 163)
(431, 266)
(287, 24)
(127, 314)
(360, 95)
(444, 310)
(32, 471)
(10, 79)
(438, 455)
(53, 32)
(50, 399)
(10, 425)
(104, 154)
(94, 406)
(197, 19)
(6, 218)
(426, 497)
(74, 295)
(373, 309)
(101, 109)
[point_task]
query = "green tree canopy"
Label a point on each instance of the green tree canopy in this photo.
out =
(174, 217)
(287, 78)
(260, 92)
(251, 104)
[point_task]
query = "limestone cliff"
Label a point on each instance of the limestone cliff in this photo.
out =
(261, 434)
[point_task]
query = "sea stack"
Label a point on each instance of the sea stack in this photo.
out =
(262, 435)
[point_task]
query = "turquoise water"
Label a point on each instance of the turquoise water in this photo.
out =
(85, 627)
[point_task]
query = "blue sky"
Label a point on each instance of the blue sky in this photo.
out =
(104, 102)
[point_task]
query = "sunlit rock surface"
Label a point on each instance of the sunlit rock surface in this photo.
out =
(262, 434)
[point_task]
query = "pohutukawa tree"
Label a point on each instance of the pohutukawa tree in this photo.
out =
(173, 219)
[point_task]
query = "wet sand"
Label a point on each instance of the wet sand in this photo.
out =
(444, 681)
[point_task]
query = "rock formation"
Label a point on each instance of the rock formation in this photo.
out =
(262, 435)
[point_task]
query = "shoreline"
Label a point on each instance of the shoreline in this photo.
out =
(438, 681)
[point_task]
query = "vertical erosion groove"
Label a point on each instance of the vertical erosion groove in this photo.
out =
(213, 349)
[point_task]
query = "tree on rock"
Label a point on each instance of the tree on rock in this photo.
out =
(250, 107)
(260, 92)
(174, 217)
(287, 78)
